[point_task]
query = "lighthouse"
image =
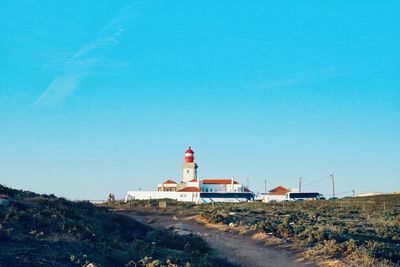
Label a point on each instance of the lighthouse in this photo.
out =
(189, 167)
(191, 189)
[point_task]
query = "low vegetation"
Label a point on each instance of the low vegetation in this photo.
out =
(355, 231)
(43, 230)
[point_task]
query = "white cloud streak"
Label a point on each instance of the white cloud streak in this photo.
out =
(61, 87)
(80, 65)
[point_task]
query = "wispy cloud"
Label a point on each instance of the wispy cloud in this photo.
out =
(61, 87)
(75, 68)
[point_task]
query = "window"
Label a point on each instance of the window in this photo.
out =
(206, 190)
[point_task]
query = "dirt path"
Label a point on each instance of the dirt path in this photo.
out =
(236, 248)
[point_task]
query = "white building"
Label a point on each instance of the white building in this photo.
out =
(193, 190)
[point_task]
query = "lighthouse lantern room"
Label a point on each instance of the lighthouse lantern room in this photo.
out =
(189, 167)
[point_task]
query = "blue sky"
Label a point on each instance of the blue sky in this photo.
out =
(105, 97)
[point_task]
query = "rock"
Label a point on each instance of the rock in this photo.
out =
(150, 221)
(4, 202)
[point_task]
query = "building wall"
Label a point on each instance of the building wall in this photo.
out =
(167, 187)
(193, 184)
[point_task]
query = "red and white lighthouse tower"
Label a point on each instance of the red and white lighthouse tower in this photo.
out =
(189, 167)
(189, 155)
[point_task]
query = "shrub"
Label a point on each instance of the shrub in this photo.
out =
(357, 231)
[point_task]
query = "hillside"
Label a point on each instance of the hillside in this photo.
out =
(43, 230)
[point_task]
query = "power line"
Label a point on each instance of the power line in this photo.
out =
(318, 180)
(346, 192)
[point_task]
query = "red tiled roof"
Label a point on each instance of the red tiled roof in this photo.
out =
(189, 189)
(169, 182)
(218, 181)
(278, 188)
(193, 180)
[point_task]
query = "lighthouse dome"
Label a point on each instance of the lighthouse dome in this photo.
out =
(189, 155)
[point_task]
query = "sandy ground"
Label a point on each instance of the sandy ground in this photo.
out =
(240, 249)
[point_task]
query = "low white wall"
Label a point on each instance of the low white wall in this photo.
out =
(277, 198)
(227, 200)
(132, 195)
(180, 196)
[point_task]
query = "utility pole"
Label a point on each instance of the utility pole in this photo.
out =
(265, 187)
(353, 193)
(248, 183)
(300, 184)
(333, 185)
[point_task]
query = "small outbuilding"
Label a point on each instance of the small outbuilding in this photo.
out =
(167, 186)
(279, 190)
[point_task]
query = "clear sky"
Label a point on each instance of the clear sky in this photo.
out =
(105, 96)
